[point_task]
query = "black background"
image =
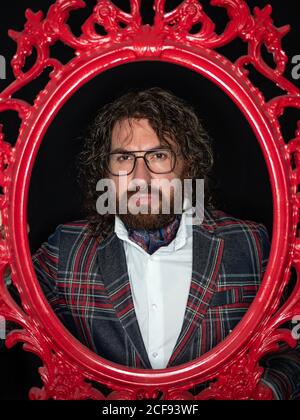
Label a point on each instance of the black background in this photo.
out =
(240, 174)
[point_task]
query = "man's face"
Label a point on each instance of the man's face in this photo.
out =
(141, 136)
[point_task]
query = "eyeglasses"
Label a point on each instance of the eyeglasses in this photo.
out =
(158, 161)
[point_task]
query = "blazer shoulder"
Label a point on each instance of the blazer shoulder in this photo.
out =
(226, 223)
(75, 226)
(70, 232)
(78, 231)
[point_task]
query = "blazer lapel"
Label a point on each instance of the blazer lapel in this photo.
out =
(113, 266)
(207, 255)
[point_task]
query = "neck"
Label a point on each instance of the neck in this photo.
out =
(152, 239)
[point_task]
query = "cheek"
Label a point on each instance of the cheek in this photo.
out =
(180, 166)
(166, 189)
(121, 185)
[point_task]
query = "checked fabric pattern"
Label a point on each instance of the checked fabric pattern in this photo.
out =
(87, 284)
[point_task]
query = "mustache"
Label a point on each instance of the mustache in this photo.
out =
(147, 190)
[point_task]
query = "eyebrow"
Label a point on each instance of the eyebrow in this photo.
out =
(122, 150)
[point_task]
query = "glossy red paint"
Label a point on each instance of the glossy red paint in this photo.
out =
(68, 366)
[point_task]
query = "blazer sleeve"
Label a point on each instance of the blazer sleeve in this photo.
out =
(45, 263)
(282, 369)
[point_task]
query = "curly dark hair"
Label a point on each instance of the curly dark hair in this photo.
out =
(170, 117)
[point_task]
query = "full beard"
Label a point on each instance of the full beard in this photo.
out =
(148, 220)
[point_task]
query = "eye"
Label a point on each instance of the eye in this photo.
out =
(159, 156)
(124, 157)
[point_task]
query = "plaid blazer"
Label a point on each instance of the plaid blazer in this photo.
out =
(87, 284)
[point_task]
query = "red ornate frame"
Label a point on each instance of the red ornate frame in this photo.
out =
(68, 366)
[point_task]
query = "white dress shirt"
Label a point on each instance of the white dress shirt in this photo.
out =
(160, 285)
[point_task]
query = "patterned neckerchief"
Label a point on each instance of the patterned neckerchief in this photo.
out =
(151, 240)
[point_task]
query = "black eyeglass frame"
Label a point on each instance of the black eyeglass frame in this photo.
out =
(131, 152)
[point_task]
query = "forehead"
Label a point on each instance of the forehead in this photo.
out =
(128, 129)
(135, 132)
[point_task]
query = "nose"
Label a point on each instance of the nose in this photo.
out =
(141, 171)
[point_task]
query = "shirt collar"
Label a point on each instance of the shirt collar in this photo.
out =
(184, 230)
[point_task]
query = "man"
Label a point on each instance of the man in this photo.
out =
(151, 290)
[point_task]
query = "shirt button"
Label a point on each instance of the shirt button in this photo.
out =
(154, 306)
(155, 354)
